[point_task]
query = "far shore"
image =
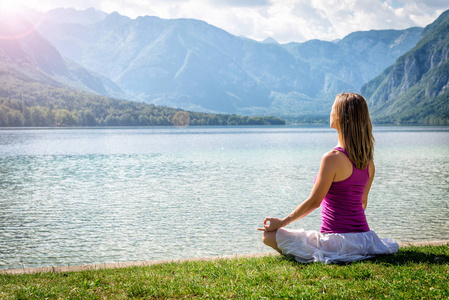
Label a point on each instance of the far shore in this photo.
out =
(63, 269)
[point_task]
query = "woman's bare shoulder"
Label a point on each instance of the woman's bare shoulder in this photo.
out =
(337, 160)
(334, 157)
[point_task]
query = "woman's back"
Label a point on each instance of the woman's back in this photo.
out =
(341, 189)
(342, 209)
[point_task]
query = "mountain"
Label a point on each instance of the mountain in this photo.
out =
(71, 15)
(192, 65)
(41, 88)
(357, 58)
(270, 40)
(415, 89)
(24, 102)
(25, 54)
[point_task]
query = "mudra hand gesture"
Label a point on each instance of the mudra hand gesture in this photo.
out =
(271, 224)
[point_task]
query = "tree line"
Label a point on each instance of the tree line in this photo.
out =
(48, 106)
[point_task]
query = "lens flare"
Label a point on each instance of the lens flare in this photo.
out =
(181, 119)
(10, 6)
(12, 24)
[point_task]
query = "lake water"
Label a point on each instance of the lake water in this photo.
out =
(85, 196)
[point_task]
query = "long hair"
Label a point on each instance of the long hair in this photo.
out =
(354, 125)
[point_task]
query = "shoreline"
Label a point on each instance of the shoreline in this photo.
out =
(62, 269)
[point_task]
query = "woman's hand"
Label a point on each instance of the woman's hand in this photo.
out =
(271, 224)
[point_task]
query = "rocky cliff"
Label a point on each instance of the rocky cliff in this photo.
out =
(415, 89)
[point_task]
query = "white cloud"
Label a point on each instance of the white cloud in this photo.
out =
(284, 20)
(241, 3)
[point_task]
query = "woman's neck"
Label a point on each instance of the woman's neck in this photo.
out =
(340, 141)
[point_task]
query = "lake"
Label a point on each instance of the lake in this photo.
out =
(102, 195)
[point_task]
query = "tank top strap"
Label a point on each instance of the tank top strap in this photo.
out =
(342, 150)
(347, 155)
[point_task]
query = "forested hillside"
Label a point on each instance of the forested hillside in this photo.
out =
(31, 104)
(415, 90)
(26, 54)
(40, 88)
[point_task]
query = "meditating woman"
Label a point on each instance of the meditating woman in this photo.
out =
(341, 189)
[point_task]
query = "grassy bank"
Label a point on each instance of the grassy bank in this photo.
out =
(412, 273)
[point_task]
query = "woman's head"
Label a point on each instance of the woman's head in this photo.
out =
(350, 116)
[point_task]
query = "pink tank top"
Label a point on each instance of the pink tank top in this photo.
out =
(342, 210)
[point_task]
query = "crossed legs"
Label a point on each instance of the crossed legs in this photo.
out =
(269, 239)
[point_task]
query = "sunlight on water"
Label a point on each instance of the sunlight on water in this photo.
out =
(83, 196)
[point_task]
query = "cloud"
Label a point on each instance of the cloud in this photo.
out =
(300, 20)
(428, 5)
(284, 20)
(331, 19)
(241, 3)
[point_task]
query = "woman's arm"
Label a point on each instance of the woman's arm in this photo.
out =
(372, 171)
(326, 175)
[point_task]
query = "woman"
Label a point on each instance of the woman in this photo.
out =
(341, 188)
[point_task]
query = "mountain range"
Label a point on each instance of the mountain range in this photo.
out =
(190, 64)
(32, 58)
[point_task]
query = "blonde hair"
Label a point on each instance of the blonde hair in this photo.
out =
(354, 126)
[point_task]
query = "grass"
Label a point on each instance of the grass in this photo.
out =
(412, 273)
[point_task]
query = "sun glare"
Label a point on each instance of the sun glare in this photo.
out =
(14, 26)
(10, 6)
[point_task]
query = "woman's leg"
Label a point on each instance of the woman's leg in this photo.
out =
(269, 239)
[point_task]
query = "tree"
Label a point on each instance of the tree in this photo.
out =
(38, 116)
(256, 121)
(111, 120)
(15, 119)
(3, 118)
(89, 119)
(65, 117)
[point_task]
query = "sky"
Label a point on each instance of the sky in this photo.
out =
(284, 20)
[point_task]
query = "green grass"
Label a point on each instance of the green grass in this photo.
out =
(412, 273)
